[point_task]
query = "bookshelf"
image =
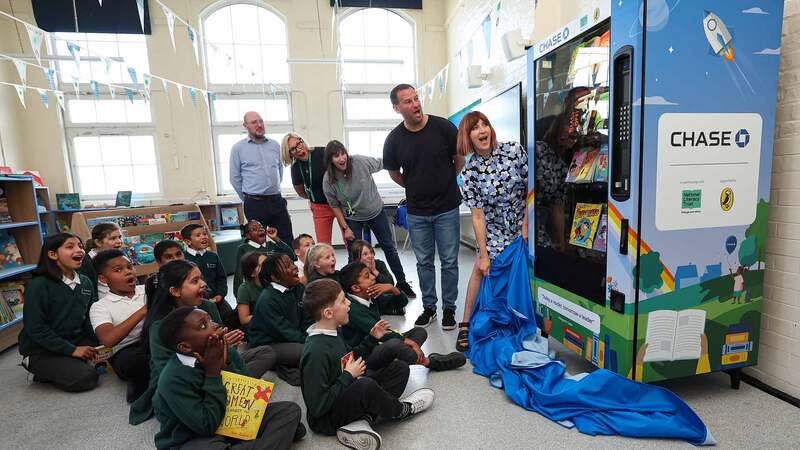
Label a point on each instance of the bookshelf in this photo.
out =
(25, 227)
(83, 221)
(212, 212)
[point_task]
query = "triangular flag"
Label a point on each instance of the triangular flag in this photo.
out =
(170, 24)
(101, 3)
(112, 91)
(206, 94)
(45, 98)
(180, 91)
(50, 74)
(21, 94)
(193, 96)
(132, 73)
(76, 84)
(75, 51)
(95, 88)
(272, 90)
(193, 40)
(21, 70)
(129, 93)
(60, 98)
(106, 65)
(35, 36)
(166, 86)
(445, 74)
(140, 8)
(487, 35)
(147, 81)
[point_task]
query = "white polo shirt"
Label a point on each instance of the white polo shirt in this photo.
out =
(115, 309)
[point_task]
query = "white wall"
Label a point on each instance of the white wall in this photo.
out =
(34, 137)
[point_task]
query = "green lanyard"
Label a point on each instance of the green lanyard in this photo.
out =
(346, 198)
(307, 184)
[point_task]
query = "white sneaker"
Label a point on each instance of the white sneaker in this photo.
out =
(420, 400)
(359, 435)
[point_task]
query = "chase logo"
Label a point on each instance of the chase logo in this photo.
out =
(742, 138)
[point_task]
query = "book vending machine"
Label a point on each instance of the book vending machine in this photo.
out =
(650, 129)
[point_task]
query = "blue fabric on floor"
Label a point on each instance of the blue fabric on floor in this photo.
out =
(505, 347)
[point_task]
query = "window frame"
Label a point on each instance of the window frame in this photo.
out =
(244, 91)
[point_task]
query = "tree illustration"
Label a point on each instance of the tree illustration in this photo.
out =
(650, 269)
(748, 251)
(758, 230)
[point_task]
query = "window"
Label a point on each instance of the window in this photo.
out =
(245, 52)
(373, 34)
(111, 141)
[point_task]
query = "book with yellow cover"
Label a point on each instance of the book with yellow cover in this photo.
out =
(584, 224)
(248, 398)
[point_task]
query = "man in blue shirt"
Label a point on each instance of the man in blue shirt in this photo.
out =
(256, 173)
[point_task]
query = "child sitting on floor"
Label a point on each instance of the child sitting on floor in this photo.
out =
(321, 263)
(56, 341)
(343, 394)
(258, 239)
(117, 320)
(105, 236)
(250, 290)
(390, 299)
(190, 399)
(197, 242)
(357, 281)
(164, 252)
(300, 245)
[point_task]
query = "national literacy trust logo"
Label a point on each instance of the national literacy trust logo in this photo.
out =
(742, 138)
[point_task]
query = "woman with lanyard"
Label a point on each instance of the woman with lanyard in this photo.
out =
(308, 168)
(353, 196)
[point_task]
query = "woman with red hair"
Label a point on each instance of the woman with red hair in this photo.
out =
(495, 184)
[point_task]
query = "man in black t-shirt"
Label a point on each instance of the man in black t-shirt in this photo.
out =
(420, 155)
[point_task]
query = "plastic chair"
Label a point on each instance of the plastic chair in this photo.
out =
(401, 220)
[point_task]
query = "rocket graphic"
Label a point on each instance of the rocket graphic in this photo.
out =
(718, 36)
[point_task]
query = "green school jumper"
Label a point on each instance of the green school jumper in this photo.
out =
(189, 404)
(142, 408)
(87, 269)
(323, 377)
(388, 303)
(362, 319)
(248, 294)
(278, 317)
(213, 272)
(55, 318)
(314, 275)
(250, 246)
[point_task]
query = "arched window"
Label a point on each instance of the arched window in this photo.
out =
(367, 35)
(245, 47)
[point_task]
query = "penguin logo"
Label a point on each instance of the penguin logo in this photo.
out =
(726, 199)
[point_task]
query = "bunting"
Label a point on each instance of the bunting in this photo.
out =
(180, 91)
(147, 81)
(60, 98)
(140, 8)
(45, 98)
(21, 94)
(193, 96)
(129, 93)
(22, 70)
(166, 87)
(132, 74)
(76, 85)
(35, 36)
(75, 51)
(170, 16)
(50, 74)
(112, 92)
(95, 89)
(193, 40)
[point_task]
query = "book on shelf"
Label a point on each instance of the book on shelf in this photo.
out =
(68, 201)
(584, 224)
(9, 252)
(575, 166)
(229, 216)
(587, 169)
(601, 165)
(13, 294)
(601, 238)
(5, 214)
(6, 313)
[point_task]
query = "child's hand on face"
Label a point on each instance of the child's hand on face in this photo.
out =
(356, 367)
(215, 354)
(272, 233)
(380, 329)
(380, 289)
(234, 337)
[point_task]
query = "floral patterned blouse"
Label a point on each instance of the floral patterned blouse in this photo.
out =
(498, 184)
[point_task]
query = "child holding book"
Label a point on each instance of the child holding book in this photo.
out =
(56, 341)
(164, 252)
(357, 281)
(390, 300)
(105, 236)
(278, 319)
(197, 242)
(343, 395)
(117, 320)
(258, 239)
(181, 284)
(321, 263)
(190, 400)
(300, 245)
(251, 289)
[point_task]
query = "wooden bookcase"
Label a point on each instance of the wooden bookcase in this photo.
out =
(80, 227)
(27, 232)
(213, 212)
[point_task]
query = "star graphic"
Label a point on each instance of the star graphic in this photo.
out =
(670, 49)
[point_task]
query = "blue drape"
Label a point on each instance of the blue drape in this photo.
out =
(504, 347)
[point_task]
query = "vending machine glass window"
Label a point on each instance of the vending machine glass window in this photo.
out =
(571, 165)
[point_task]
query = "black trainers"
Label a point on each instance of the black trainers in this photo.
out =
(425, 319)
(450, 361)
(405, 288)
(449, 319)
